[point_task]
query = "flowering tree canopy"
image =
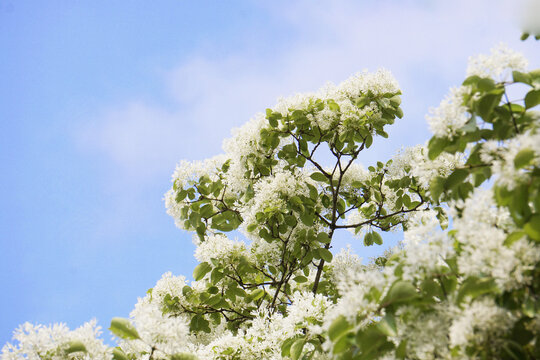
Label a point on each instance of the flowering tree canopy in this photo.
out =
(289, 180)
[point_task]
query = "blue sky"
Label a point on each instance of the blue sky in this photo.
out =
(100, 99)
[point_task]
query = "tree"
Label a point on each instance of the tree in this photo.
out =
(289, 180)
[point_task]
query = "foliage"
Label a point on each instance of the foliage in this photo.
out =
(290, 179)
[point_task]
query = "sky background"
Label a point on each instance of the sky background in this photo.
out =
(100, 99)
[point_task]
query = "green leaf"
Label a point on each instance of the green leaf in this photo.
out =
(388, 325)
(300, 279)
(257, 294)
(273, 121)
(286, 346)
(119, 354)
(474, 287)
(201, 270)
(307, 218)
(399, 112)
(362, 101)
(368, 239)
(181, 195)
(484, 84)
(401, 350)
(214, 300)
(216, 276)
(123, 328)
(369, 340)
(376, 237)
(199, 323)
(486, 104)
(401, 291)
(532, 227)
(523, 158)
(338, 327)
(183, 356)
(186, 290)
(436, 146)
(323, 238)
(395, 100)
(206, 211)
(369, 140)
(325, 254)
(75, 346)
(436, 187)
(317, 176)
(532, 99)
(296, 348)
(524, 36)
(521, 77)
(513, 237)
(342, 343)
(455, 178)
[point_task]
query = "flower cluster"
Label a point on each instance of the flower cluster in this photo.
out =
(57, 342)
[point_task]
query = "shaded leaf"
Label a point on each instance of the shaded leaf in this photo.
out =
(532, 99)
(455, 178)
(296, 348)
(118, 354)
(317, 176)
(325, 254)
(201, 270)
(401, 291)
(523, 158)
(75, 346)
(338, 327)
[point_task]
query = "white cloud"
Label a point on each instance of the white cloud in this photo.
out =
(425, 44)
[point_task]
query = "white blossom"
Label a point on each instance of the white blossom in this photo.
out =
(481, 233)
(502, 156)
(498, 65)
(451, 115)
(426, 245)
(480, 322)
(414, 161)
(219, 247)
(35, 342)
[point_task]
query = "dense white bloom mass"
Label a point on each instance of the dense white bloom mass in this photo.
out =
(503, 157)
(344, 95)
(482, 230)
(481, 321)
(498, 65)
(56, 342)
(414, 161)
(451, 115)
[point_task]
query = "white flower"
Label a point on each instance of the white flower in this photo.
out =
(481, 232)
(451, 115)
(184, 176)
(168, 334)
(481, 321)
(503, 155)
(34, 342)
(498, 65)
(426, 246)
(414, 161)
(219, 247)
(343, 262)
